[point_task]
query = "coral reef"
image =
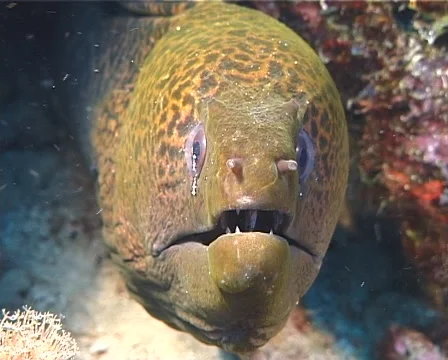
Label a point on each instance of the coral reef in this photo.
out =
(404, 150)
(31, 335)
(407, 344)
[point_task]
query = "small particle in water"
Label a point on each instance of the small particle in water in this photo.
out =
(65, 77)
(99, 211)
(177, 28)
(34, 173)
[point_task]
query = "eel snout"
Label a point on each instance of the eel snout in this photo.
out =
(239, 262)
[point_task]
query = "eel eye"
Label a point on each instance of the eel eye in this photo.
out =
(195, 148)
(305, 154)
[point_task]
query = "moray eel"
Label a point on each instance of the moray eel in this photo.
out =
(221, 149)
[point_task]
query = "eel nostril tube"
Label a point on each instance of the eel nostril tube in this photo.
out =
(287, 165)
(235, 165)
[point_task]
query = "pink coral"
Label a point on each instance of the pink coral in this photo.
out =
(408, 344)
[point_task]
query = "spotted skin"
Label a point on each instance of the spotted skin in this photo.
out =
(157, 7)
(254, 84)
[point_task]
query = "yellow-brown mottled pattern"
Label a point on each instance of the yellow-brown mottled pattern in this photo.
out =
(157, 7)
(236, 71)
(243, 56)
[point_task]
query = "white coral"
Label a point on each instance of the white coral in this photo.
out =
(32, 335)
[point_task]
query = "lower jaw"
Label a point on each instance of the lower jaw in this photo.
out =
(239, 322)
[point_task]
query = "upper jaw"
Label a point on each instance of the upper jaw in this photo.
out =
(253, 220)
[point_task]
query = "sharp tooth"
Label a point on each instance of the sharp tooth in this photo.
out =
(237, 212)
(223, 221)
(271, 232)
(228, 230)
(252, 219)
(237, 229)
(277, 220)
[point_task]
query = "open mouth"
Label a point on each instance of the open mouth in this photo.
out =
(235, 221)
(248, 220)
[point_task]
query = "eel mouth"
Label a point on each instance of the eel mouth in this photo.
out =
(240, 221)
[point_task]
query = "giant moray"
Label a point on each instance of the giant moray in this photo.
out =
(220, 147)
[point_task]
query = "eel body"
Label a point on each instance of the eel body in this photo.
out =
(221, 149)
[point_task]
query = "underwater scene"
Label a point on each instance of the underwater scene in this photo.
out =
(224, 180)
